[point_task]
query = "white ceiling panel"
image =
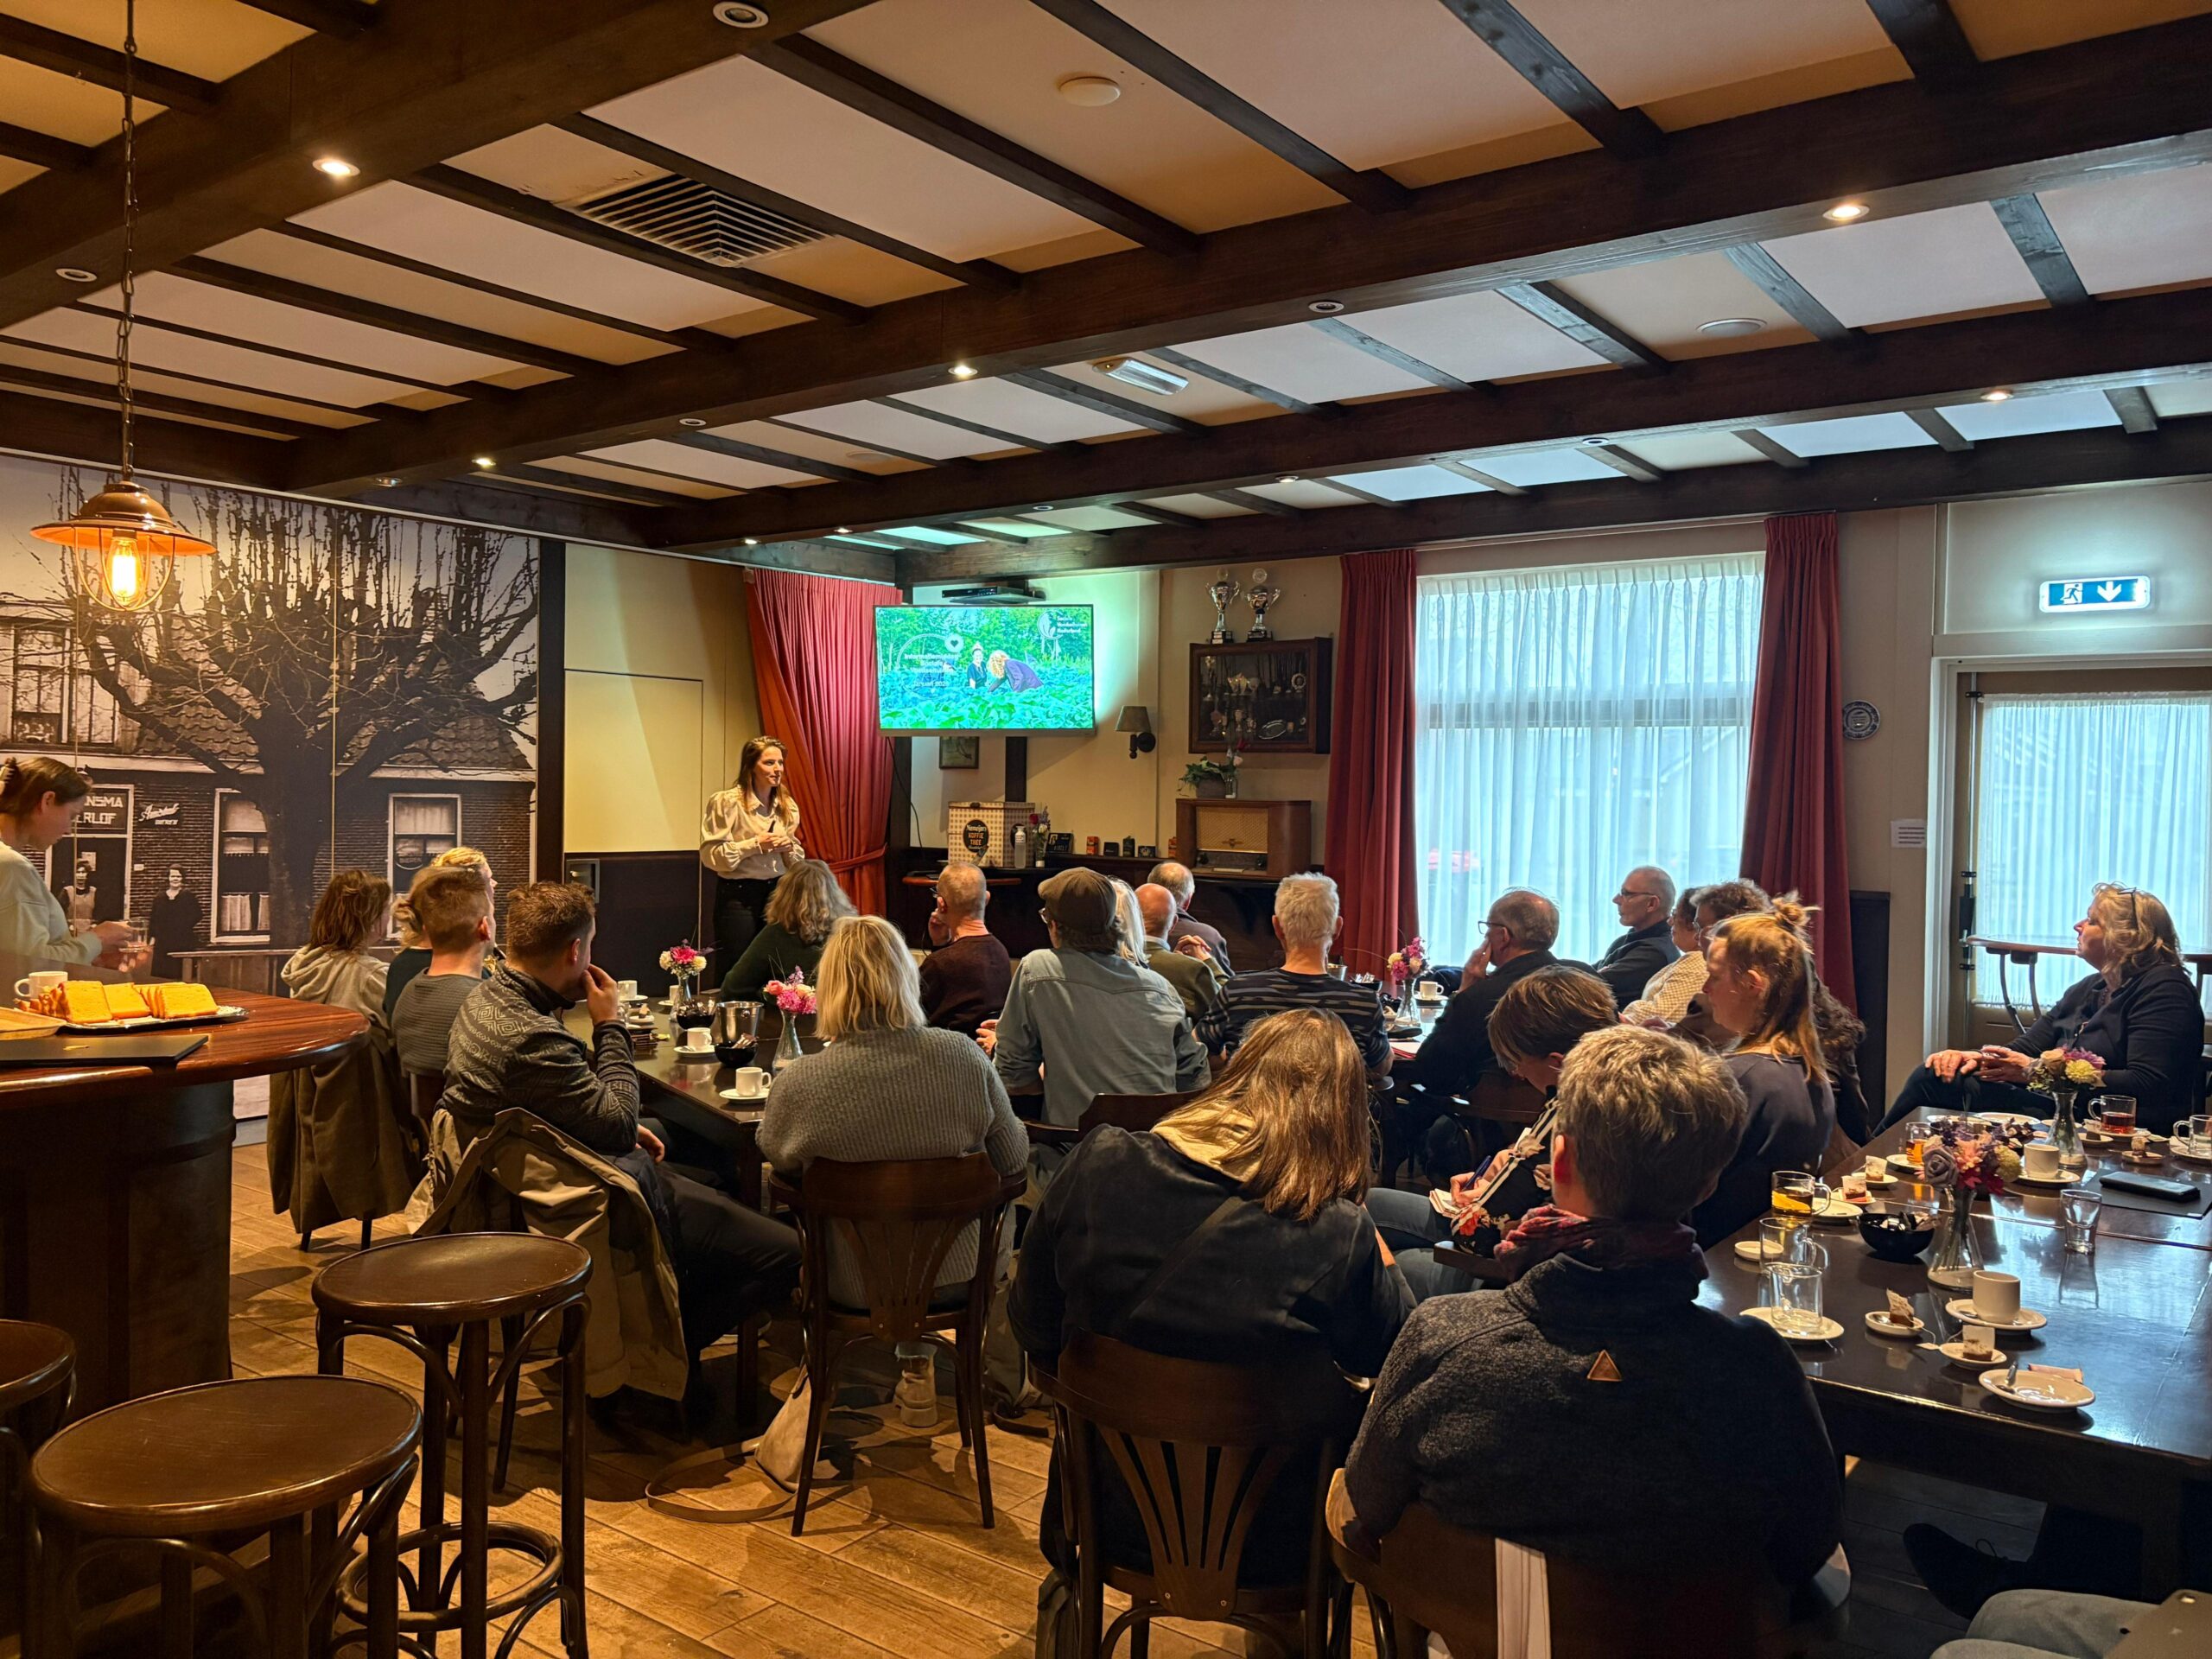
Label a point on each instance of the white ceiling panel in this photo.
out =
(1097, 518)
(930, 536)
(753, 122)
(815, 447)
(98, 375)
(1681, 452)
(1640, 51)
(1998, 28)
(246, 319)
(1664, 302)
(1916, 266)
(213, 39)
(13, 173)
(1202, 400)
(2065, 411)
(85, 331)
(1851, 435)
(1017, 410)
(1533, 468)
(1201, 506)
(1476, 337)
(916, 434)
(1032, 530)
(1305, 363)
(2148, 231)
(2175, 398)
(1416, 483)
(584, 466)
(1409, 80)
(681, 458)
(847, 270)
(1307, 492)
(59, 106)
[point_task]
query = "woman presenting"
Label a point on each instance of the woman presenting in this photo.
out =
(749, 839)
(40, 799)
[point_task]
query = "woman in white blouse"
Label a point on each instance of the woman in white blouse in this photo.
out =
(749, 839)
(1667, 994)
(40, 799)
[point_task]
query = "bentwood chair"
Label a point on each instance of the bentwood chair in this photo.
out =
(898, 1222)
(1136, 1113)
(1203, 1451)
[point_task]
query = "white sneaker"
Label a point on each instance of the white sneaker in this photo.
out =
(916, 1395)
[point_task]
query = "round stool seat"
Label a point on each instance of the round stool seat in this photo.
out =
(32, 1359)
(241, 1454)
(452, 1278)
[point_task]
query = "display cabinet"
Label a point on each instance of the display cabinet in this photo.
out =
(1273, 694)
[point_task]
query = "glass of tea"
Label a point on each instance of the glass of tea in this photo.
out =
(2116, 1114)
(1795, 1195)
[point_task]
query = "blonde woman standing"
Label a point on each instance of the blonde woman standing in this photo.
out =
(40, 799)
(749, 839)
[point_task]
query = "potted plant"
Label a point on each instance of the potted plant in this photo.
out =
(1211, 780)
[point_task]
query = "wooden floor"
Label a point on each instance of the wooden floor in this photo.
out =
(894, 1560)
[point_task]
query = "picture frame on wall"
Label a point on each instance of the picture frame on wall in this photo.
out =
(962, 752)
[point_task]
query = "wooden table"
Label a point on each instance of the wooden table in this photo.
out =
(115, 1193)
(2136, 1316)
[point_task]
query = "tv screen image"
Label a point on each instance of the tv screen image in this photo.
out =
(983, 668)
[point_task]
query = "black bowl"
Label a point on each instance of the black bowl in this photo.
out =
(1894, 1237)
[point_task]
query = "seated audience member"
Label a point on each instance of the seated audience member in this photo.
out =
(1591, 1410)
(1666, 996)
(334, 965)
(888, 1087)
(2048, 1625)
(964, 976)
(1083, 1020)
(1646, 897)
(414, 955)
(1248, 1197)
(2138, 1010)
(509, 1048)
(1192, 970)
(806, 904)
(1129, 923)
(1533, 1028)
(452, 907)
(1307, 922)
(1179, 880)
(1759, 982)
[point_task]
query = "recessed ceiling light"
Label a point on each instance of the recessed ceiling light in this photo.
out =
(753, 541)
(387, 482)
(1042, 509)
(1594, 443)
(844, 529)
(76, 274)
(1844, 212)
(1091, 92)
(690, 421)
(1995, 394)
(485, 462)
(738, 15)
(1326, 308)
(962, 371)
(1732, 327)
(1287, 477)
(336, 167)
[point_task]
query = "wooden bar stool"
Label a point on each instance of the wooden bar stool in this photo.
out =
(168, 1474)
(38, 1380)
(421, 1293)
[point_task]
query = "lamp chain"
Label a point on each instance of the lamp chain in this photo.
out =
(130, 225)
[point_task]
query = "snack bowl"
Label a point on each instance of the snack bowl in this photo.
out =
(1894, 1236)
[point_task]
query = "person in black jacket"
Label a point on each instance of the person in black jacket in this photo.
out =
(1645, 902)
(2139, 1013)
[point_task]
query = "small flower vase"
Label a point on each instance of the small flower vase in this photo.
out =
(1953, 1258)
(2066, 1132)
(787, 1048)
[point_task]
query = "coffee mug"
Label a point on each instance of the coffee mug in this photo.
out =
(629, 988)
(698, 1039)
(750, 1080)
(1978, 1340)
(1997, 1297)
(2039, 1161)
(38, 984)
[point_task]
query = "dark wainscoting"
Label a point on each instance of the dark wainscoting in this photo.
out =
(647, 902)
(1870, 984)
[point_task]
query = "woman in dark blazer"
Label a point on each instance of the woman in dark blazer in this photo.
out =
(2138, 1012)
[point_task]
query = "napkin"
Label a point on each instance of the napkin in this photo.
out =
(1900, 1310)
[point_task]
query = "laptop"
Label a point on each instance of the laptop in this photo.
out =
(135, 1048)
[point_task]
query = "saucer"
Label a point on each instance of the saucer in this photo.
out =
(1748, 1252)
(1828, 1330)
(1836, 1212)
(1883, 1179)
(1904, 1165)
(2039, 1391)
(1962, 1310)
(681, 1052)
(1956, 1353)
(2143, 1159)
(1881, 1325)
(738, 1097)
(2052, 1181)
(2008, 1117)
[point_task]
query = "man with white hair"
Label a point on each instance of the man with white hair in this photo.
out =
(1306, 922)
(965, 975)
(1179, 880)
(1645, 902)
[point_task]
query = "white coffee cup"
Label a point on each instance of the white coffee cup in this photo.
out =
(38, 984)
(1978, 1340)
(2039, 1161)
(629, 988)
(698, 1038)
(1997, 1297)
(750, 1080)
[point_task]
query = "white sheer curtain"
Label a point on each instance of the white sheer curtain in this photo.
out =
(1573, 724)
(2075, 790)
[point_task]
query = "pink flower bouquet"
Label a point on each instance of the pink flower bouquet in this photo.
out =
(792, 995)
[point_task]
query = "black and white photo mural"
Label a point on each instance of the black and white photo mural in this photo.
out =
(333, 687)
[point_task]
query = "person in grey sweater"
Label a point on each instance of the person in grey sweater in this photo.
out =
(1593, 1411)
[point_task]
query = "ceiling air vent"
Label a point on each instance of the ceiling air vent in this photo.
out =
(696, 219)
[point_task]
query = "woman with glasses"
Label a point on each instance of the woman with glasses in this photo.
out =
(2138, 1012)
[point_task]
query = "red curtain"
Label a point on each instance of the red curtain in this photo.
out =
(1371, 819)
(1793, 813)
(814, 664)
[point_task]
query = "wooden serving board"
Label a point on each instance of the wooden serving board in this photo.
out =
(224, 1015)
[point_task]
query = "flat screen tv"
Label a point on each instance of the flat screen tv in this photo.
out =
(983, 668)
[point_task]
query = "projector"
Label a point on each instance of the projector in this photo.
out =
(1145, 377)
(1001, 593)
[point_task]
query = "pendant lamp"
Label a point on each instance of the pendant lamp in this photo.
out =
(122, 543)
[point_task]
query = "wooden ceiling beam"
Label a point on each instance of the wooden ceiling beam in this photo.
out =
(1012, 440)
(1548, 302)
(1487, 480)
(715, 444)
(1752, 437)
(1203, 370)
(343, 18)
(159, 402)
(2101, 109)
(2132, 405)
(144, 324)
(1624, 461)
(90, 434)
(1405, 362)
(1252, 503)
(1100, 401)
(433, 79)
(509, 506)
(1946, 435)
(1355, 492)
(1927, 34)
(82, 59)
(1623, 132)
(1786, 291)
(1156, 515)
(2117, 342)
(140, 368)
(1881, 479)
(2037, 244)
(1374, 190)
(635, 495)
(39, 149)
(815, 67)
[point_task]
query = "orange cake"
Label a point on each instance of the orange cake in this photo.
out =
(83, 1002)
(180, 1000)
(126, 1001)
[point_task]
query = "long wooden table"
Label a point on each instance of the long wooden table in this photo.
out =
(2135, 1315)
(115, 1192)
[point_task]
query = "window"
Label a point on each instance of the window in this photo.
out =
(2073, 790)
(423, 826)
(52, 696)
(241, 868)
(1573, 724)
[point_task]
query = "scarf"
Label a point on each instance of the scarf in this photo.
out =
(1598, 1240)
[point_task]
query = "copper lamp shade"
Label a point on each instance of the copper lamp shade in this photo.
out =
(122, 543)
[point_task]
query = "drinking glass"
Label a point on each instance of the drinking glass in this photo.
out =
(1780, 1240)
(2116, 1114)
(1795, 1195)
(1794, 1291)
(2077, 1218)
(2199, 1136)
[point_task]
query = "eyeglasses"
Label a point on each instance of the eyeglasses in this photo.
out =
(1631, 892)
(2134, 896)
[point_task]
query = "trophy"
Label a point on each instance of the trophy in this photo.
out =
(1224, 590)
(1259, 597)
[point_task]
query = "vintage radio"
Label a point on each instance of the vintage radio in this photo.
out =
(981, 832)
(1245, 837)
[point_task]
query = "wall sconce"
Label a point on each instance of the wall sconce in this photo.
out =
(1136, 721)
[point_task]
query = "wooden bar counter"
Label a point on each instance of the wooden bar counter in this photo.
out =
(115, 1192)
